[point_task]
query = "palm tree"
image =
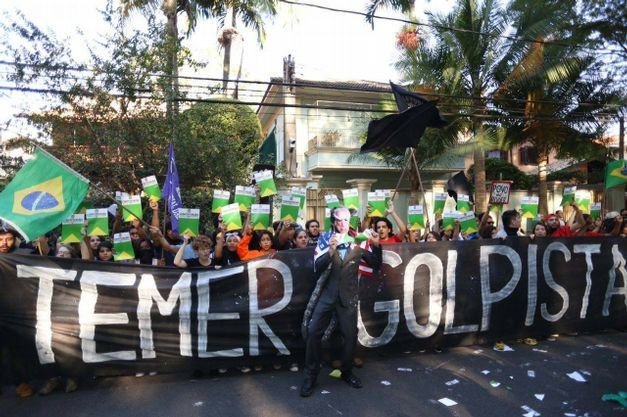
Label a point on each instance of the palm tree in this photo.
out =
(251, 13)
(171, 9)
(461, 66)
(557, 89)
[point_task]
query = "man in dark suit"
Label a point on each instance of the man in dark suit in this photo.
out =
(336, 262)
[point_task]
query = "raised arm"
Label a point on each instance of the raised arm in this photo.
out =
(402, 228)
(178, 259)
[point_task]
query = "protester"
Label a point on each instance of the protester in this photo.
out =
(10, 344)
(254, 243)
(337, 281)
(202, 245)
(556, 229)
(300, 239)
(226, 249)
(511, 225)
(313, 231)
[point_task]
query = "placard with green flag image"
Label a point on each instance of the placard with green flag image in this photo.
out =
(97, 222)
(331, 201)
(41, 195)
(123, 247)
(231, 217)
(189, 220)
(439, 201)
(595, 210)
(265, 182)
(387, 193)
(416, 217)
(220, 199)
(377, 204)
(463, 203)
(468, 223)
(615, 173)
(131, 207)
(301, 194)
(327, 219)
(151, 188)
(289, 209)
(245, 197)
(260, 216)
(568, 196)
(351, 198)
(354, 222)
(583, 200)
(71, 228)
(529, 206)
(119, 195)
(448, 219)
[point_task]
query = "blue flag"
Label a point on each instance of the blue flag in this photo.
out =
(172, 191)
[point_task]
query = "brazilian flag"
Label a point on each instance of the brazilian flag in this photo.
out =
(42, 195)
(616, 173)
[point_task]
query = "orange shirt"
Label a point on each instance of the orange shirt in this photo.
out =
(246, 254)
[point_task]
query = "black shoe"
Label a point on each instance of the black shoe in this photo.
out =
(308, 386)
(352, 380)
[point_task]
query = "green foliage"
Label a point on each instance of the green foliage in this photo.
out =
(499, 169)
(219, 143)
(575, 177)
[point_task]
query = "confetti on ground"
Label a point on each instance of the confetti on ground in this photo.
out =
(529, 412)
(452, 382)
(539, 396)
(506, 348)
(478, 351)
(570, 414)
(447, 401)
(198, 403)
(325, 392)
(576, 376)
(531, 374)
(293, 387)
(404, 369)
(336, 373)
(386, 383)
(585, 372)
(495, 384)
(485, 372)
(539, 350)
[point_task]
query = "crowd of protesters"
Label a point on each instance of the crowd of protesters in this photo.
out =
(158, 244)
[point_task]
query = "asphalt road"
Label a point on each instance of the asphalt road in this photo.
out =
(482, 382)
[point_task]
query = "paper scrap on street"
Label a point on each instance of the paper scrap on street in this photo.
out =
(495, 384)
(539, 396)
(539, 350)
(325, 392)
(198, 403)
(485, 372)
(452, 382)
(531, 374)
(404, 369)
(447, 401)
(576, 376)
(386, 383)
(529, 412)
(506, 348)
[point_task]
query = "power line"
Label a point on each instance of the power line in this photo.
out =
(440, 27)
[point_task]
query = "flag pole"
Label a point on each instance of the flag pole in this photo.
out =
(402, 173)
(106, 194)
(422, 190)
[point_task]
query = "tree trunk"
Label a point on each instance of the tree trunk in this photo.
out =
(172, 108)
(543, 205)
(481, 202)
(226, 65)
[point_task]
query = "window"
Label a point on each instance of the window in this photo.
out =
(528, 155)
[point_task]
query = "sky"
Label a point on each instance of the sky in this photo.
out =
(325, 45)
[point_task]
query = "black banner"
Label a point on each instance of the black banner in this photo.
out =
(97, 318)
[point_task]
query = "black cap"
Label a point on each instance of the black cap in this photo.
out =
(7, 228)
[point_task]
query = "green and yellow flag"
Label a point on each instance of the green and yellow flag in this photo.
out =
(289, 209)
(151, 188)
(245, 197)
(616, 173)
(331, 201)
(265, 182)
(123, 247)
(416, 217)
(351, 198)
(43, 194)
(220, 199)
(260, 216)
(439, 201)
(97, 222)
(189, 221)
(377, 204)
(71, 228)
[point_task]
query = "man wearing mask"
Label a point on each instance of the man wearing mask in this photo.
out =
(336, 263)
